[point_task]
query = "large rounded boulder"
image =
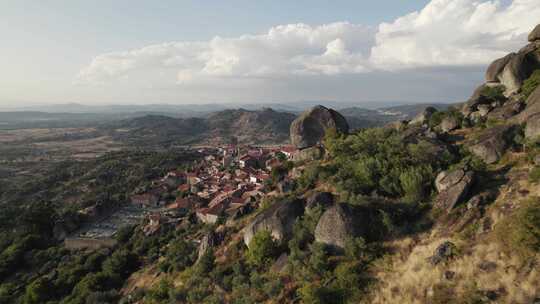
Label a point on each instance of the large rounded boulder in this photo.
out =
(518, 69)
(340, 223)
(424, 116)
(310, 127)
(496, 68)
(492, 143)
(535, 34)
(278, 219)
(453, 188)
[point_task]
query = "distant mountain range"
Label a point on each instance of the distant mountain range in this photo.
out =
(266, 126)
(155, 124)
(261, 127)
(196, 110)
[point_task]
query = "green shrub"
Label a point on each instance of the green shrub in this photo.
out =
(318, 260)
(493, 92)
(263, 249)
(315, 293)
(355, 248)
(205, 263)
(534, 174)
(415, 182)
(381, 160)
(436, 119)
(40, 291)
(531, 84)
(122, 263)
(521, 230)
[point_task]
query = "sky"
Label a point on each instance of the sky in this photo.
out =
(185, 52)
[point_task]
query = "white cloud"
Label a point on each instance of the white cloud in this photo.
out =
(284, 50)
(444, 33)
(453, 33)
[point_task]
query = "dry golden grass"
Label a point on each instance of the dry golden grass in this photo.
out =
(143, 278)
(408, 277)
(411, 279)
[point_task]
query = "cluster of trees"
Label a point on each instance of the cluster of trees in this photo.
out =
(381, 161)
(34, 267)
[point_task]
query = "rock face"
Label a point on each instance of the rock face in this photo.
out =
(444, 252)
(278, 219)
(532, 108)
(323, 199)
(479, 104)
(514, 68)
(449, 123)
(506, 111)
(310, 128)
(517, 70)
(492, 143)
(339, 223)
(209, 241)
(496, 68)
(447, 179)
(532, 130)
(308, 154)
(453, 187)
(423, 116)
(535, 34)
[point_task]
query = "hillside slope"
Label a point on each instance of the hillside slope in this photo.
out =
(444, 209)
(441, 209)
(260, 127)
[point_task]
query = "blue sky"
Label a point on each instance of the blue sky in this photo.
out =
(48, 50)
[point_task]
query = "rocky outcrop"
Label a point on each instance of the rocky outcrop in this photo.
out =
(492, 143)
(532, 108)
(281, 265)
(453, 188)
(209, 241)
(508, 110)
(323, 199)
(478, 104)
(310, 127)
(399, 125)
(447, 179)
(427, 138)
(278, 219)
(338, 224)
(496, 68)
(424, 116)
(532, 129)
(535, 34)
(443, 252)
(308, 154)
(449, 123)
(517, 70)
(484, 109)
(513, 69)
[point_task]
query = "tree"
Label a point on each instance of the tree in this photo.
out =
(122, 263)
(206, 262)
(262, 249)
(40, 291)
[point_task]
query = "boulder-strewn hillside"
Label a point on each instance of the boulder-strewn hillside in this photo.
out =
(443, 208)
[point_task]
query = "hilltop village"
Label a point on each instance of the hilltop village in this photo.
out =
(227, 183)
